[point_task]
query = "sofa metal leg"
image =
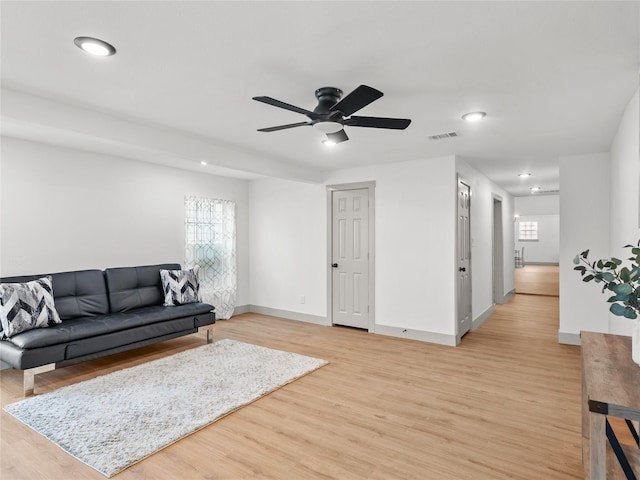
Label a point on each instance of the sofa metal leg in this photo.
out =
(29, 377)
(209, 330)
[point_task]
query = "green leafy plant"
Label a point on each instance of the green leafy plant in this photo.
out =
(622, 281)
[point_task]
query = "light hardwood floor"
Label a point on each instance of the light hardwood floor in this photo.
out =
(538, 280)
(505, 404)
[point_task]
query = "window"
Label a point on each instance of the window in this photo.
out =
(528, 231)
(210, 226)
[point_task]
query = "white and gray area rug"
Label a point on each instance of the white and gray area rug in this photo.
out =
(115, 420)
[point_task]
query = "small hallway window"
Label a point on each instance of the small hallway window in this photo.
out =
(528, 231)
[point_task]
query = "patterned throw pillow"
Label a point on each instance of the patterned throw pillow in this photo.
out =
(25, 306)
(180, 286)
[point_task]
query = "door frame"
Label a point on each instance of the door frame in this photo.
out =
(498, 249)
(371, 189)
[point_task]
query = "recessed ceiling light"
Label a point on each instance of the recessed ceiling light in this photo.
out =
(524, 175)
(329, 143)
(203, 163)
(94, 46)
(474, 116)
(535, 189)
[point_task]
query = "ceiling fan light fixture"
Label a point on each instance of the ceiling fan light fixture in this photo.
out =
(524, 175)
(328, 127)
(94, 46)
(474, 116)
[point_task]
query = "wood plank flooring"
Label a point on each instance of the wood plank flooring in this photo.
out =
(538, 280)
(505, 404)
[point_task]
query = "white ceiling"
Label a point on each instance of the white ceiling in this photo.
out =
(553, 77)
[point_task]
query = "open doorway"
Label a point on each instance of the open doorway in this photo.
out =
(537, 244)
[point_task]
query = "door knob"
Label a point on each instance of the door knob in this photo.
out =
(334, 265)
(462, 269)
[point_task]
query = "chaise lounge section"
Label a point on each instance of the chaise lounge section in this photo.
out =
(102, 313)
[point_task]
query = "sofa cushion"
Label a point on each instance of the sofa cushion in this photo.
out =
(25, 306)
(136, 287)
(76, 294)
(180, 286)
(80, 328)
(109, 341)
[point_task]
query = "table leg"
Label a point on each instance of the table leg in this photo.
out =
(597, 446)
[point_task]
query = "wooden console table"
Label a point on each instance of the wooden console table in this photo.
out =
(610, 387)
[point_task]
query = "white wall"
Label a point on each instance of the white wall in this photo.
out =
(414, 246)
(288, 246)
(415, 240)
(599, 206)
(537, 205)
(547, 248)
(544, 209)
(585, 225)
(64, 209)
(625, 193)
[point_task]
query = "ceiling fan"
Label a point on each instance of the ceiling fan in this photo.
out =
(333, 113)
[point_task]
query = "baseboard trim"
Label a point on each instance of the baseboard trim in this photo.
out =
(421, 335)
(569, 338)
(509, 294)
(477, 323)
(302, 317)
(239, 310)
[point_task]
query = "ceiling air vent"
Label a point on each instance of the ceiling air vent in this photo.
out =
(440, 136)
(547, 192)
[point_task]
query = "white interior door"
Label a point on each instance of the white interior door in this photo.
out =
(464, 259)
(350, 257)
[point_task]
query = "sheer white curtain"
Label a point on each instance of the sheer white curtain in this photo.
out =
(211, 243)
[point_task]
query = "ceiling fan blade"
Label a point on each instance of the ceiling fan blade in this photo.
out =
(283, 127)
(378, 122)
(340, 136)
(359, 98)
(286, 106)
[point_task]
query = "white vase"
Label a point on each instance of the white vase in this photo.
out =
(635, 343)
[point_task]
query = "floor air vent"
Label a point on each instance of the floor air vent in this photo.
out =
(440, 136)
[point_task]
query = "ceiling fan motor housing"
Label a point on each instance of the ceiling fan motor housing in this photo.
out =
(327, 98)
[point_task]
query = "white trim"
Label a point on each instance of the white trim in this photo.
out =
(497, 249)
(483, 317)
(569, 338)
(420, 335)
(302, 317)
(371, 187)
(240, 309)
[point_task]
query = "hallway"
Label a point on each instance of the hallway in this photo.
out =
(538, 280)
